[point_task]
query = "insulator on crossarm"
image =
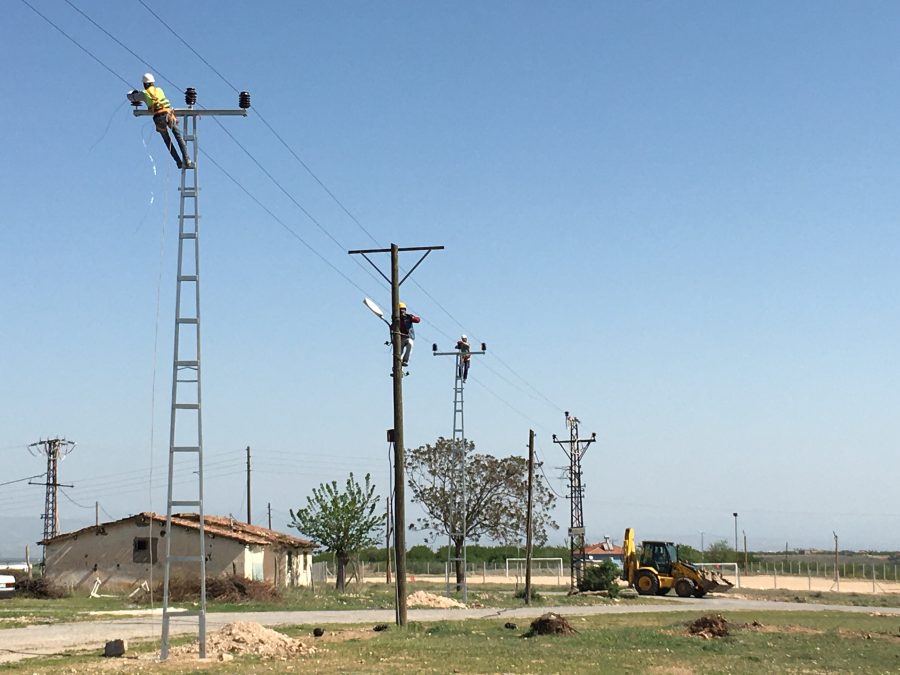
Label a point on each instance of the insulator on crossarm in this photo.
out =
(190, 96)
(244, 99)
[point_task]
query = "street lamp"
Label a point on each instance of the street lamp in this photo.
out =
(735, 533)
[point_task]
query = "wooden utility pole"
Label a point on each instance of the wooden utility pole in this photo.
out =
(97, 514)
(529, 526)
(387, 541)
(399, 448)
(248, 485)
(269, 509)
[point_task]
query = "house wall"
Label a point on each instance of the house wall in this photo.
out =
(107, 553)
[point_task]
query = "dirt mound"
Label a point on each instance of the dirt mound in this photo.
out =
(551, 624)
(246, 637)
(423, 599)
(709, 626)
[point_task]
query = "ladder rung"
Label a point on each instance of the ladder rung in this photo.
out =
(187, 364)
(190, 321)
(188, 215)
(182, 502)
(185, 558)
(188, 235)
(186, 448)
(187, 406)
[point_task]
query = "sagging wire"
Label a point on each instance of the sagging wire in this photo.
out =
(108, 125)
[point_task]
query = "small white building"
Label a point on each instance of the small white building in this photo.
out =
(124, 553)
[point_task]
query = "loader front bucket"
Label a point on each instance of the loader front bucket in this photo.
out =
(713, 582)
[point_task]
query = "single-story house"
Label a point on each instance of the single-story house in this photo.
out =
(130, 551)
(605, 550)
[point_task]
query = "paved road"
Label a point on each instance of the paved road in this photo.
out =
(19, 643)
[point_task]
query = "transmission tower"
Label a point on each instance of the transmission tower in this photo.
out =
(54, 449)
(456, 530)
(575, 448)
(185, 422)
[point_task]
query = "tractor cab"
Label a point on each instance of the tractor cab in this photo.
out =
(659, 555)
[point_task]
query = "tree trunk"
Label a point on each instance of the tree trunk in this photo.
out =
(340, 576)
(460, 569)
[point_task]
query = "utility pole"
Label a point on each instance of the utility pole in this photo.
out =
(248, 485)
(53, 449)
(97, 514)
(837, 575)
(457, 527)
(746, 558)
(735, 534)
(269, 510)
(387, 541)
(186, 418)
(397, 374)
(575, 448)
(529, 516)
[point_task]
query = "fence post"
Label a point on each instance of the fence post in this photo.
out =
(774, 577)
(808, 578)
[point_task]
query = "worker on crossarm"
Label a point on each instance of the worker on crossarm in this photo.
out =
(463, 347)
(407, 333)
(164, 118)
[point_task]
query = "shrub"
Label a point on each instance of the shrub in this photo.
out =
(601, 577)
(38, 588)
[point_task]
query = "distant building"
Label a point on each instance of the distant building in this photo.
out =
(605, 550)
(126, 552)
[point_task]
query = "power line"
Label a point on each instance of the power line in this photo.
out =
(22, 480)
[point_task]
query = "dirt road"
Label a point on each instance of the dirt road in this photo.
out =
(19, 643)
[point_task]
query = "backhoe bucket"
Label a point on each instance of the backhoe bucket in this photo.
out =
(713, 582)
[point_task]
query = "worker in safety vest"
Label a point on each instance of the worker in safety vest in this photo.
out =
(164, 119)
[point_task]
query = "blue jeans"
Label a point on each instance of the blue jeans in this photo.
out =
(162, 126)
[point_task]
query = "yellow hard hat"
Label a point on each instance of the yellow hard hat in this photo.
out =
(402, 305)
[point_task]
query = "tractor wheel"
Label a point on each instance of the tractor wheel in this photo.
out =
(646, 583)
(684, 588)
(663, 591)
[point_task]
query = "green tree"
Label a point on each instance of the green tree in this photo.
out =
(496, 493)
(689, 554)
(719, 552)
(601, 576)
(341, 521)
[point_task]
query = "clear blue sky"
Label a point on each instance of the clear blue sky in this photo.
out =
(676, 220)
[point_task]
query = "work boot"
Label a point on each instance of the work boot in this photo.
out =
(188, 164)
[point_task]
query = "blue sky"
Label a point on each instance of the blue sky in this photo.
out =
(677, 221)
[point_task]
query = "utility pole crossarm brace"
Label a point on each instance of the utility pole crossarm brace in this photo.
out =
(427, 249)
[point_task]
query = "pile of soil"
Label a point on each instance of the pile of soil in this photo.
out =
(551, 624)
(246, 637)
(709, 626)
(423, 599)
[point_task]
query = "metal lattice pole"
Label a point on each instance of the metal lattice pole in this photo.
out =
(186, 416)
(575, 448)
(457, 527)
(53, 449)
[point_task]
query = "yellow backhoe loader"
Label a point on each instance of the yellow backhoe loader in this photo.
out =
(659, 570)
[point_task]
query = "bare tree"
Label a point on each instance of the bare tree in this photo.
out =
(496, 492)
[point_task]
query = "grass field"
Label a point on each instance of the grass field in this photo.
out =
(798, 642)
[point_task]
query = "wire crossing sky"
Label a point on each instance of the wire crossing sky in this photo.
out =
(678, 223)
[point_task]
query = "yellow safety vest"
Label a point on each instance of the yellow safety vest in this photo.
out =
(156, 100)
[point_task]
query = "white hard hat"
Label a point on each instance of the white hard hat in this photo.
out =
(463, 338)
(148, 78)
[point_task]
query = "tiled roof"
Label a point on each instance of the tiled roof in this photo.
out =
(219, 526)
(603, 549)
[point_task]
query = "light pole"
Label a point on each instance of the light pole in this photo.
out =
(735, 533)
(702, 552)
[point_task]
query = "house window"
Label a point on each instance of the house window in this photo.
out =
(144, 550)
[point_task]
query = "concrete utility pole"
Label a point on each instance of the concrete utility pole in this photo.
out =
(269, 509)
(735, 534)
(387, 541)
(575, 448)
(53, 449)
(397, 374)
(529, 517)
(457, 527)
(186, 415)
(248, 485)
